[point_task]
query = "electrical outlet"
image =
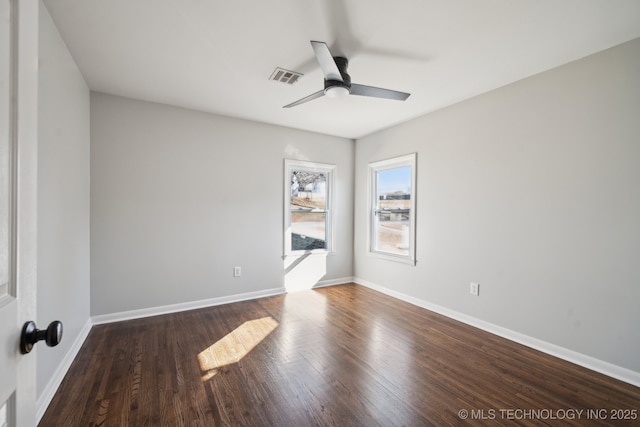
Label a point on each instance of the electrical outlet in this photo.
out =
(474, 289)
(237, 271)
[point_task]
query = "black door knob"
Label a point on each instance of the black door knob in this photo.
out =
(30, 335)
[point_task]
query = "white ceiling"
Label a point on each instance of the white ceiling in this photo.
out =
(216, 56)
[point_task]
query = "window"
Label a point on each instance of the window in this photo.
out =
(392, 228)
(308, 207)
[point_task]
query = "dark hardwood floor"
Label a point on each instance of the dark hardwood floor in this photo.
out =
(337, 356)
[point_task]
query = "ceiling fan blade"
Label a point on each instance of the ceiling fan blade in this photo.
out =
(377, 92)
(305, 99)
(326, 61)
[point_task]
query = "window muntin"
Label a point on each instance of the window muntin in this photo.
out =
(392, 207)
(308, 207)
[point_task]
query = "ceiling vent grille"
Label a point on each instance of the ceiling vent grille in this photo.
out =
(285, 76)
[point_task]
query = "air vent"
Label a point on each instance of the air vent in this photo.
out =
(285, 76)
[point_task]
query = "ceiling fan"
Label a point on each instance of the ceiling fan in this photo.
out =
(337, 81)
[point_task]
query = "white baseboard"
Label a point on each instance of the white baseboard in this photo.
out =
(606, 368)
(56, 379)
(174, 308)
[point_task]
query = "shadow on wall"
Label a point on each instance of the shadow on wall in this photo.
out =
(304, 272)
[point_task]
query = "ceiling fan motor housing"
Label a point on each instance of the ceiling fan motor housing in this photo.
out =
(342, 64)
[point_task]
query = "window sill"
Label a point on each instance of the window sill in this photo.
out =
(306, 253)
(390, 257)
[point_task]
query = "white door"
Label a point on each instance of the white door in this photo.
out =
(18, 196)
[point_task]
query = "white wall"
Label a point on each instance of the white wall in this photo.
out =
(179, 197)
(532, 190)
(63, 200)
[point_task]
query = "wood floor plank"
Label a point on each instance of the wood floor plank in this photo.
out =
(338, 356)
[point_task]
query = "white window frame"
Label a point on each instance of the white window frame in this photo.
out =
(330, 227)
(374, 168)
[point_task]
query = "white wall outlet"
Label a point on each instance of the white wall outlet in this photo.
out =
(474, 289)
(237, 271)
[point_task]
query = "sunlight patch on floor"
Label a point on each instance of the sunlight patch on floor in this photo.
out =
(235, 345)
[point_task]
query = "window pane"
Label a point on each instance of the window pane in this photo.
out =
(308, 204)
(308, 231)
(393, 201)
(308, 196)
(308, 190)
(392, 234)
(395, 183)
